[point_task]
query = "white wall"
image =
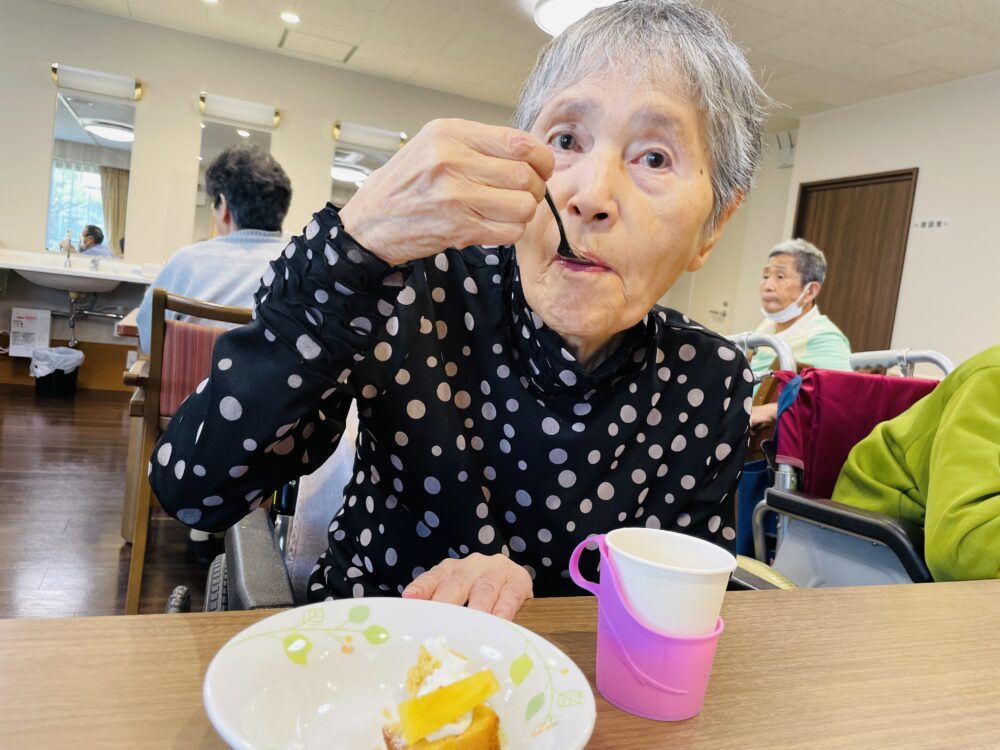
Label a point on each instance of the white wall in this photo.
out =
(175, 67)
(949, 298)
(732, 271)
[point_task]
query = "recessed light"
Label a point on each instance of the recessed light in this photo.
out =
(200, 158)
(243, 133)
(210, 2)
(202, 125)
(289, 17)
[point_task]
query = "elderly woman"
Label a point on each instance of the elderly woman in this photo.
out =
(512, 401)
(789, 286)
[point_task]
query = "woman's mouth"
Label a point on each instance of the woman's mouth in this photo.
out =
(580, 265)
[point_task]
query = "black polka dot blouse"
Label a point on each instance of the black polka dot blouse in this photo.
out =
(479, 432)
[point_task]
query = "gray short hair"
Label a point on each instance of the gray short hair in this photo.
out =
(809, 259)
(670, 37)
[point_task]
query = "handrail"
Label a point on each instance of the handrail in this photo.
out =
(751, 340)
(902, 358)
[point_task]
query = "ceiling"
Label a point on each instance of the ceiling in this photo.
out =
(812, 55)
(73, 111)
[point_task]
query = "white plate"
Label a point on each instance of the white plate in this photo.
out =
(330, 675)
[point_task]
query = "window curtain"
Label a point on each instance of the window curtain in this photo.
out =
(114, 197)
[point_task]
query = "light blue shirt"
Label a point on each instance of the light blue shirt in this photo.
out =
(224, 270)
(102, 250)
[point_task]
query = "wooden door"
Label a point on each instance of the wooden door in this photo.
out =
(861, 224)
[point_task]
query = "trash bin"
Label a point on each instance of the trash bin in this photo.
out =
(54, 370)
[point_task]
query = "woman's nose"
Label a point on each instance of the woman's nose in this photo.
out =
(596, 190)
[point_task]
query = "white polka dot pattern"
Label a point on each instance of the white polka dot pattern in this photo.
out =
(480, 432)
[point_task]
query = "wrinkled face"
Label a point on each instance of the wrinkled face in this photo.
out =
(632, 184)
(781, 284)
(86, 240)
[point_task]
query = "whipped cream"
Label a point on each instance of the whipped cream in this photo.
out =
(453, 668)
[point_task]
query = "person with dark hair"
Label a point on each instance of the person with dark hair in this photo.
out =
(249, 194)
(91, 242)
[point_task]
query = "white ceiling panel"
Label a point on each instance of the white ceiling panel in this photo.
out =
(812, 54)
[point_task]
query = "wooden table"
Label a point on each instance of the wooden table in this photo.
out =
(879, 667)
(129, 325)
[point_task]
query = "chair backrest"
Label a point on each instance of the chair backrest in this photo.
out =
(187, 360)
(833, 411)
(180, 355)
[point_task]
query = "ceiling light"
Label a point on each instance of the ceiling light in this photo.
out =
(289, 17)
(110, 132)
(200, 158)
(343, 173)
(553, 16)
(242, 133)
(210, 2)
(202, 125)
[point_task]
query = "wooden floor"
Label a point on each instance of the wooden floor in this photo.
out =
(62, 480)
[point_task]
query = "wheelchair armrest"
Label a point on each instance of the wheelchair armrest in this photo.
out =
(904, 539)
(255, 571)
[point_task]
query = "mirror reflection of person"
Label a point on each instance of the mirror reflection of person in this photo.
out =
(789, 286)
(91, 243)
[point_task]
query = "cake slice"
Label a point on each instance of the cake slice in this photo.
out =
(446, 709)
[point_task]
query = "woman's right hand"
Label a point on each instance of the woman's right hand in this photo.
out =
(457, 183)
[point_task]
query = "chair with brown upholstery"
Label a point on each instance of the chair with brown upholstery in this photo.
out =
(180, 358)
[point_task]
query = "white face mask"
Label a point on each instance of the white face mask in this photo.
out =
(791, 312)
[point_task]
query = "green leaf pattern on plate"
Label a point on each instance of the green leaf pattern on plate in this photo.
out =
(297, 645)
(534, 671)
(530, 669)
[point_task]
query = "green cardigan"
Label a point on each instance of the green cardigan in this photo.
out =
(938, 465)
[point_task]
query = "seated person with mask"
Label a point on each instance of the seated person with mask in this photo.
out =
(938, 465)
(250, 193)
(791, 281)
(91, 243)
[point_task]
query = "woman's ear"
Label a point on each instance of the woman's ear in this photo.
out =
(706, 249)
(812, 292)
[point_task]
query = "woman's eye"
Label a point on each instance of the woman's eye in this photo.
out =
(565, 141)
(655, 160)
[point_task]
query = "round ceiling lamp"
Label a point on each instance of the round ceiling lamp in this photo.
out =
(553, 16)
(110, 132)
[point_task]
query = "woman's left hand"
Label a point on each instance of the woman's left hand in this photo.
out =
(490, 583)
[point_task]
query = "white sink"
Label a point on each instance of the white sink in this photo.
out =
(47, 270)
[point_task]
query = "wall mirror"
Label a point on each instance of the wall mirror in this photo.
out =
(91, 159)
(216, 137)
(359, 151)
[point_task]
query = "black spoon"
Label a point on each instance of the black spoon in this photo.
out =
(564, 249)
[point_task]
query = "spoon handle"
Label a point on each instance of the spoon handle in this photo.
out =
(564, 249)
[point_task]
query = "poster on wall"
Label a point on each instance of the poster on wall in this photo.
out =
(29, 330)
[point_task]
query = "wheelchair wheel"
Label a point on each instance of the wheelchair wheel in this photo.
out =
(216, 590)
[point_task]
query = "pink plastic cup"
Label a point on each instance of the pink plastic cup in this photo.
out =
(639, 669)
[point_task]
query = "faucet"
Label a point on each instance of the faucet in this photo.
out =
(69, 247)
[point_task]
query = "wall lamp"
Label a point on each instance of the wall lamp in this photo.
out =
(96, 82)
(238, 110)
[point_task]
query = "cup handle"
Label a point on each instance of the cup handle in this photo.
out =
(574, 565)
